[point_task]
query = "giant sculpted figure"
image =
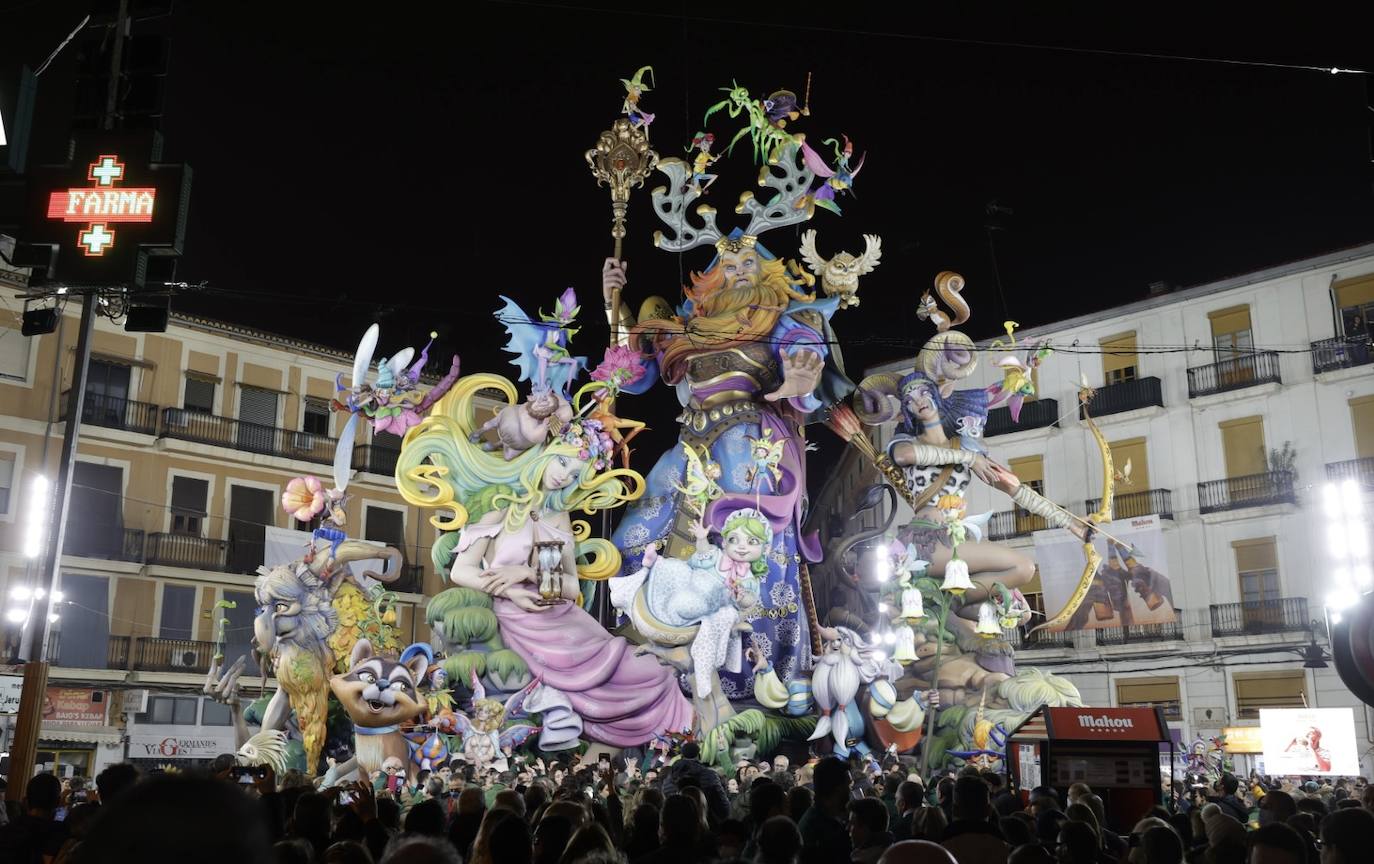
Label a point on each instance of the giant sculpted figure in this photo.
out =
(747, 352)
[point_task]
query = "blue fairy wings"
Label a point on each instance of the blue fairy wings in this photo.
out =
(540, 349)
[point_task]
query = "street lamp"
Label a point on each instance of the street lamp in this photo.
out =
(1347, 545)
(36, 516)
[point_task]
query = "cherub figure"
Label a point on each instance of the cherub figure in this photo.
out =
(764, 455)
(713, 589)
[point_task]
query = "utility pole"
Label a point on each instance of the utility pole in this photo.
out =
(34, 637)
(33, 649)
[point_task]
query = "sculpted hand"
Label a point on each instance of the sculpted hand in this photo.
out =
(499, 581)
(698, 530)
(526, 599)
(801, 371)
(612, 277)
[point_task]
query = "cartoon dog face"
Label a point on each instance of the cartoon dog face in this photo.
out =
(378, 691)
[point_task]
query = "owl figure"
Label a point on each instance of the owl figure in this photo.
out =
(840, 275)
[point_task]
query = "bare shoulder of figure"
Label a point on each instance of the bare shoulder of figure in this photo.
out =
(493, 516)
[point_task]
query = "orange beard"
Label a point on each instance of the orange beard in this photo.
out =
(723, 317)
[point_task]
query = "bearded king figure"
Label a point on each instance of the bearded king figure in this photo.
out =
(747, 351)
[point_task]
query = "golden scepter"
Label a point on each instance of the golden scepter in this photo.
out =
(622, 160)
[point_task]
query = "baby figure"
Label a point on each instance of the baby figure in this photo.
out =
(713, 589)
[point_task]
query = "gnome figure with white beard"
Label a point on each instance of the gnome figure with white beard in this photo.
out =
(848, 663)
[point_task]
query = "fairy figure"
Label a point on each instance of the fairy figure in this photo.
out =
(541, 347)
(764, 455)
(714, 589)
(394, 403)
(621, 367)
(702, 143)
(1018, 374)
(702, 475)
(835, 178)
(634, 88)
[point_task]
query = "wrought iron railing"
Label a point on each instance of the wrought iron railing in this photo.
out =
(1022, 638)
(1254, 490)
(1014, 523)
(375, 459)
(1137, 633)
(1126, 396)
(188, 550)
(1236, 373)
(1341, 353)
(172, 655)
(212, 429)
(1142, 503)
(109, 543)
(1359, 470)
(1034, 415)
(1280, 615)
(117, 652)
(113, 412)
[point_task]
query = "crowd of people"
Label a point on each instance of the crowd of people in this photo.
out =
(675, 810)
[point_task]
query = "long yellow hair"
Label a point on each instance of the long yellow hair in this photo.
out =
(722, 317)
(440, 468)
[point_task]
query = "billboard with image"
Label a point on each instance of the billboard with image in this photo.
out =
(1318, 741)
(1131, 586)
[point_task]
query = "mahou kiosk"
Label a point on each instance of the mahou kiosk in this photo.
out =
(1113, 750)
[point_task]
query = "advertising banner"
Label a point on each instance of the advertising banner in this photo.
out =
(72, 706)
(10, 688)
(1131, 586)
(1301, 741)
(196, 745)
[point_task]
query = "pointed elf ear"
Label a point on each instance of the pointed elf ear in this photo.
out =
(947, 389)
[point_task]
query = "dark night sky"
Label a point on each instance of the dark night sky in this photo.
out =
(351, 168)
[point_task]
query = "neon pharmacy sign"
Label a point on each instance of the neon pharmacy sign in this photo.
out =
(101, 205)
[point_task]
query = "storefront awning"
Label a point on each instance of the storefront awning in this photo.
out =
(79, 734)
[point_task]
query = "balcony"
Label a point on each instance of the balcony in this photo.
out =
(1034, 415)
(189, 551)
(1140, 633)
(375, 459)
(1160, 501)
(109, 544)
(1359, 470)
(1255, 490)
(1014, 523)
(117, 652)
(1126, 396)
(113, 413)
(1020, 638)
(1280, 615)
(171, 655)
(1340, 353)
(202, 428)
(1234, 374)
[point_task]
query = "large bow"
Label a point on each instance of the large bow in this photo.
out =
(1092, 560)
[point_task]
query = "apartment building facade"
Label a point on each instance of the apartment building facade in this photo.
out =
(187, 440)
(1235, 402)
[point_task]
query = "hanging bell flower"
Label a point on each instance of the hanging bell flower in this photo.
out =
(987, 621)
(906, 645)
(912, 609)
(956, 577)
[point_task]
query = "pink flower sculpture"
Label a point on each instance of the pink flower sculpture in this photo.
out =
(304, 498)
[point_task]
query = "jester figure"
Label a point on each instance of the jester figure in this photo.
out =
(748, 354)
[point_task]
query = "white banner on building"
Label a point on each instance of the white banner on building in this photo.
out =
(285, 545)
(10, 688)
(195, 744)
(1301, 741)
(1131, 586)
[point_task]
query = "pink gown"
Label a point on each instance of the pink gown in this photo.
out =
(624, 700)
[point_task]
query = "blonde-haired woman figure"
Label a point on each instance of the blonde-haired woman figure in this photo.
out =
(506, 513)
